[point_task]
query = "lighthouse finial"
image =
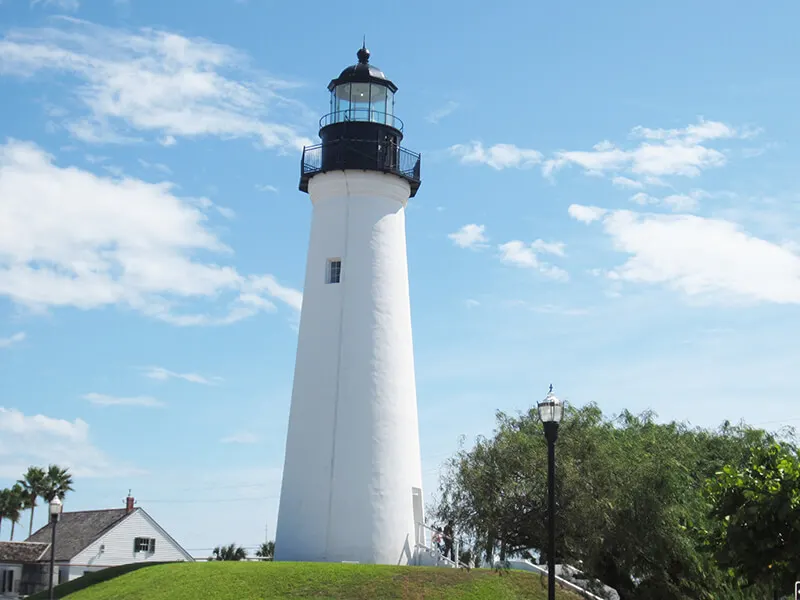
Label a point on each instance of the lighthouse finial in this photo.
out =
(363, 53)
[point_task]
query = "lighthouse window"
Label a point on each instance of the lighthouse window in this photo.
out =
(334, 270)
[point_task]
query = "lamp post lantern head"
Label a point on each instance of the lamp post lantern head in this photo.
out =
(55, 506)
(551, 409)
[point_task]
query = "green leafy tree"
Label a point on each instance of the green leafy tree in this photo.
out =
(14, 507)
(34, 486)
(229, 552)
(629, 498)
(266, 550)
(756, 510)
(5, 504)
(58, 481)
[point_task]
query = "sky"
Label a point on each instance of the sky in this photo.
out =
(609, 204)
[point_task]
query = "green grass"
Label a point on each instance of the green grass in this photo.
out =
(311, 581)
(90, 579)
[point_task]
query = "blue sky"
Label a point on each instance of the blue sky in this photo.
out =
(609, 202)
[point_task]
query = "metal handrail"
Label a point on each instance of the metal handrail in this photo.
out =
(361, 115)
(457, 562)
(408, 162)
(564, 582)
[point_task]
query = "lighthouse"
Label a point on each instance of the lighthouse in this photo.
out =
(352, 477)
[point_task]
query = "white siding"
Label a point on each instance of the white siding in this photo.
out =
(352, 450)
(118, 544)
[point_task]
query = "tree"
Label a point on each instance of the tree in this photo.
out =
(14, 507)
(5, 504)
(629, 498)
(58, 482)
(33, 486)
(229, 552)
(756, 512)
(266, 550)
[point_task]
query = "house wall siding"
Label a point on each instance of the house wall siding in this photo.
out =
(119, 549)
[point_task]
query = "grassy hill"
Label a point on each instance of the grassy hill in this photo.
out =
(307, 581)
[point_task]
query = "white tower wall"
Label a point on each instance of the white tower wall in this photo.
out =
(352, 452)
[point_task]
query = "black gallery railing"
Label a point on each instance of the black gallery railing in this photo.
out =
(361, 154)
(366, 115)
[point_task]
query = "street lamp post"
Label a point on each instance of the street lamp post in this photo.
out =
(550, 412)
(55, 513)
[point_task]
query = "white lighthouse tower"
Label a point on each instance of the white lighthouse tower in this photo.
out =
(352, 480)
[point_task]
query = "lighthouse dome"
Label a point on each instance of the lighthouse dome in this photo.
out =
(362, 72)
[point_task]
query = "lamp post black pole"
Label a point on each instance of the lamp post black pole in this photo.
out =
(551, 434)
(54, 519)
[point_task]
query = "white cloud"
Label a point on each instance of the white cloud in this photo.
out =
(242, 437)
(70, 5)
(712, 259)
(267, 188)
(168, 140)
(523, 255)
(155, 82)
(38, 439)
(469, 236)
(71, 238)
(105, 400)
(556, 248)
(471, 303)
(662, 152)
(585, 214)
(499, 156)
(444, 111)
(676, 202)
(14, 339)
(162, 374)
(625, 182)
(226, 212)
(157, 166)
(267, 283)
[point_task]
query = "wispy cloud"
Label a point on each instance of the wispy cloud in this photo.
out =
(469, 236)
(710, 259)
(679, 152)
(520, 254)
(499, 156)
(626, 182)
(70, 5)
(267, 188)
(242, 437)
(105, 400)
(39, 439)
(444, 111)
(156, 83)
(162, 374)
(71, 238)
(6, 342)
(157, 166)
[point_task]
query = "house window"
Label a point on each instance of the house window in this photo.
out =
(141, 544)
(334, 270)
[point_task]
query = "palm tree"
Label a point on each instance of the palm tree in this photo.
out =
(16, 504)
(57, 482)
(33, 486)
(266, 550)
(229, 552)
(5, 502)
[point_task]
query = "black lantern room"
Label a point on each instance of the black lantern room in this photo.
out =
(361, 130)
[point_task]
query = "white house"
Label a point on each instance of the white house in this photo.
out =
(86, 541)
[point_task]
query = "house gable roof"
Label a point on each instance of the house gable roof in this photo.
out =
(22, 552)
(76, 530)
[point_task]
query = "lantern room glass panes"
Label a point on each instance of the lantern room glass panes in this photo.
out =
(359, 101)
(362, 102)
